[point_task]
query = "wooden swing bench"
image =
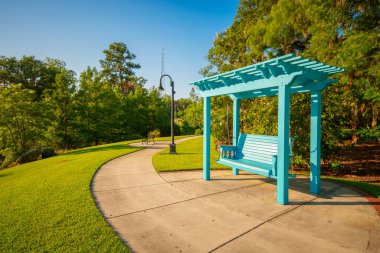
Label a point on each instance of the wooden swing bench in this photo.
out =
(253, 153)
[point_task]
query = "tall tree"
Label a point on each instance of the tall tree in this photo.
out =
(97, 109)
(118, 67)
(61, 103)
(347, 36)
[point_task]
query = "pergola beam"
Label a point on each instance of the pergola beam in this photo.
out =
(252, 85)
(321, 85)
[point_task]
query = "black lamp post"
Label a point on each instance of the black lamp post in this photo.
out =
(172, 144)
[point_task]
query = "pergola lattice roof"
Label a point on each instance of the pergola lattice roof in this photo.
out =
(262, 79)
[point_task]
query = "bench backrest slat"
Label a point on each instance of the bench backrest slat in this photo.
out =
(260, 148)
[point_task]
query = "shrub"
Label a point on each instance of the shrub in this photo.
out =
(155, 133)
(368, 134)
(336, 167)
(134, 137)
(47, 152)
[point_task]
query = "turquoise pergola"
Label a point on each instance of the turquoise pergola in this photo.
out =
(280, 77)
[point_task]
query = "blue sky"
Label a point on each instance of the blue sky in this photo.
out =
(78, 31)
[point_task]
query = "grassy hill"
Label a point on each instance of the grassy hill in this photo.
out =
(47, 205)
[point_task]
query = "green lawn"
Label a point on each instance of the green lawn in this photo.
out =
(189, 157)
(168, 138)
(47, 205)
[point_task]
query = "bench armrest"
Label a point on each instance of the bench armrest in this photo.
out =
(227, 151)
(274, 162)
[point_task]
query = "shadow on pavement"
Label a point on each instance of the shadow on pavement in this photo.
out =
(329, 191)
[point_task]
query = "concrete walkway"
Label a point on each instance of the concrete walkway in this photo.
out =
(179, 212)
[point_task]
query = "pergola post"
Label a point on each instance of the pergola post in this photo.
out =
(315, 142)
(283, 144)
(206, 137)
(236, 128)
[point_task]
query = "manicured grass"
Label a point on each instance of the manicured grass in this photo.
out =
(168, 138)
(47, 205)
(372, 189)
(189, 157)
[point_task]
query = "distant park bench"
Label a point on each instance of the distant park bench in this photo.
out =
(149, 138)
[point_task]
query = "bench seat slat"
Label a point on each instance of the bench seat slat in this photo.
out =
(259, 159)
(258, 146)
(258, 168)
(260, 151)
(254, 153)
(265, 138)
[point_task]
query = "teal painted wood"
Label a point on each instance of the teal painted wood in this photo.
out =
(236, 128)
(206, 137)
(218, 88)
(315, 142)
(294, 89)
(283, 145)
(253, 153)
(282, 76)
(271, 73)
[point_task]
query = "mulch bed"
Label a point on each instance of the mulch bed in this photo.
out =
(361, 162)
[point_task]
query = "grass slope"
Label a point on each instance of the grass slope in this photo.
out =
(189, 157)
(47, 205)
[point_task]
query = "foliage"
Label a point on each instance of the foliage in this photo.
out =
(21, 125)
(336, 167)
(54, 200)
(368, 134)
(346, 37)
(98, 109)
(60, 101)
(118, 67)
(45, 105)
(192, 114)
(156, 133)
(31, 73)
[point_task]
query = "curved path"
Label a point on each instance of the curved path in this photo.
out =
(179, 212)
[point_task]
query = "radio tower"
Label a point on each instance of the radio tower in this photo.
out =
(163, 63)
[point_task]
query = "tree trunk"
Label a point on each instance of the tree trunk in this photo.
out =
(355, 121)
(375, 114)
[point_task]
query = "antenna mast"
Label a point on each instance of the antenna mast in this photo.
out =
(163, 63)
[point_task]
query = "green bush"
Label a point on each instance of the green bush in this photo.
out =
(368, 134)
(155, 133)
(336, 167)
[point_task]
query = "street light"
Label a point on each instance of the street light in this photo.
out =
(172, 144)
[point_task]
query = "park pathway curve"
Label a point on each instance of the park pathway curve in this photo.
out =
(179, 212)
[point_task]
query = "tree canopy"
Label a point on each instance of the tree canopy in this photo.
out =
(118, 67)
(342, 33)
